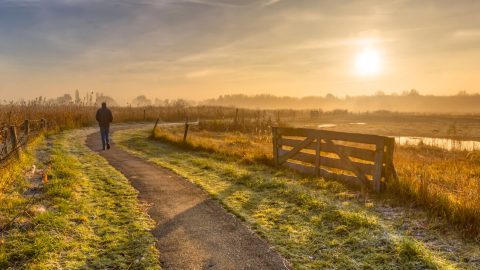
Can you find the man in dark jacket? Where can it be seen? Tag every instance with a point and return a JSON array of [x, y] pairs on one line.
[[104, 118]]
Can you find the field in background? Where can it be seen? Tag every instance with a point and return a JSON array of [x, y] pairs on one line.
[[461, 127]]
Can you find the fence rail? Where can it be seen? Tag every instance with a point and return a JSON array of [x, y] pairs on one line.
[[360, 159], [14, 137]]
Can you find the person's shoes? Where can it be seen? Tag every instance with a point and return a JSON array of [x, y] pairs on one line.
[[103, 148], [108, 146]]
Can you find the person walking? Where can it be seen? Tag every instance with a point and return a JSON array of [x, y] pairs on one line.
[[104, 118]]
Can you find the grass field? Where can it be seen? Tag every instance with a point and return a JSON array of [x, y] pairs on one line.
[[85, 217], [430, 218], [312, 222], [443, 182]]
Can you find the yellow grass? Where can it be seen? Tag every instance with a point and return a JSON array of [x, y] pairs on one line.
[[445, 183]]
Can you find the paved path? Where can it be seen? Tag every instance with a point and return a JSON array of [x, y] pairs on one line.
[[193, 231]]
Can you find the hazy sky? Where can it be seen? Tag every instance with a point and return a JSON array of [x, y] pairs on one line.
[[199, 49]]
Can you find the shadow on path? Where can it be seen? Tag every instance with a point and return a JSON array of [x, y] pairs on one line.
[[192, 231]]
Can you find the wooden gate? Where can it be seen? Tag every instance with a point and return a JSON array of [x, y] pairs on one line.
[[359, 159]]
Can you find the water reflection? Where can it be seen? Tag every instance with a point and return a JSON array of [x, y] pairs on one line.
[[447, 144]]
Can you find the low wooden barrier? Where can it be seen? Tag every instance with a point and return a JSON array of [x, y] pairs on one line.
[[13, 137], [359, 159]]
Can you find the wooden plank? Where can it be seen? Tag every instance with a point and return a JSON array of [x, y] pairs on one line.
[[348, 162], [295, 150], [364, 154], [332, 135], [317, 156], [302, 132], [330, 162], [299, 156], [377, 177], [351, 137]]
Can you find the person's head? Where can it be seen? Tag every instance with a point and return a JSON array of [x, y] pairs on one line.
[[104, 104]]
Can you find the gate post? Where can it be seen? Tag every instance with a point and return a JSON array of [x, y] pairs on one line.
[[377, 177], [318, 156], [275, 145]]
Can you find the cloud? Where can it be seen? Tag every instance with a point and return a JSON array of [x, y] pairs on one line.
[[206, 73], [467, 33], [270, 2]]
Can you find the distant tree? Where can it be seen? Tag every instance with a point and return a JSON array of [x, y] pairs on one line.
[[413, 92], [109, 100], [78, 100], [141, 101], [63, 100], [180, 103], [159, 102]]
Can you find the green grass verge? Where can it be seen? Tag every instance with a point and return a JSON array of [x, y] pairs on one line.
[[315, 224], [91, 218]]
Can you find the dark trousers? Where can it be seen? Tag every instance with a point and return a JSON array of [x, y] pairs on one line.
[[104, 135]]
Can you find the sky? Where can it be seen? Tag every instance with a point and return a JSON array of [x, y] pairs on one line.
[[199, 49]]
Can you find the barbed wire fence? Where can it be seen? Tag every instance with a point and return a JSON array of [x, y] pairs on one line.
[[14, 137]]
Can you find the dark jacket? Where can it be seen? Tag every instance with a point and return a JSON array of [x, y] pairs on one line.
[[104, 117]]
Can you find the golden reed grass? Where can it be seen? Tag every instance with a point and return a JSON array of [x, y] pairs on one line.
[[445, 183]]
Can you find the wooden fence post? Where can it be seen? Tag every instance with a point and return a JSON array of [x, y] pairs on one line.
[[43, 124], [155, 127], [389, 168], [317, 156], [377, 177], [13, 136], [275, 145], [235, 120], [186, 130], [26, 125], [5, 139]]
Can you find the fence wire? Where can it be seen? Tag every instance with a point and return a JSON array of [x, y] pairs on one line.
[[24, 133]]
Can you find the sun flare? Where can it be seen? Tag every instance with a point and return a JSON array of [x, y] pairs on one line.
[[368, 62]]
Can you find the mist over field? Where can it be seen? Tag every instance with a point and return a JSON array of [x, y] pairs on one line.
[[407, 102]]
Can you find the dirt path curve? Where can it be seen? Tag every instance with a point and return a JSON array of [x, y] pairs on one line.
[[193, 231]]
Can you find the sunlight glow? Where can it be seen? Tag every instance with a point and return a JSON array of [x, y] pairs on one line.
[[368, 62]]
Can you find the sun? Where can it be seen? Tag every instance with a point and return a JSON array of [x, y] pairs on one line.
[[368, 62]]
